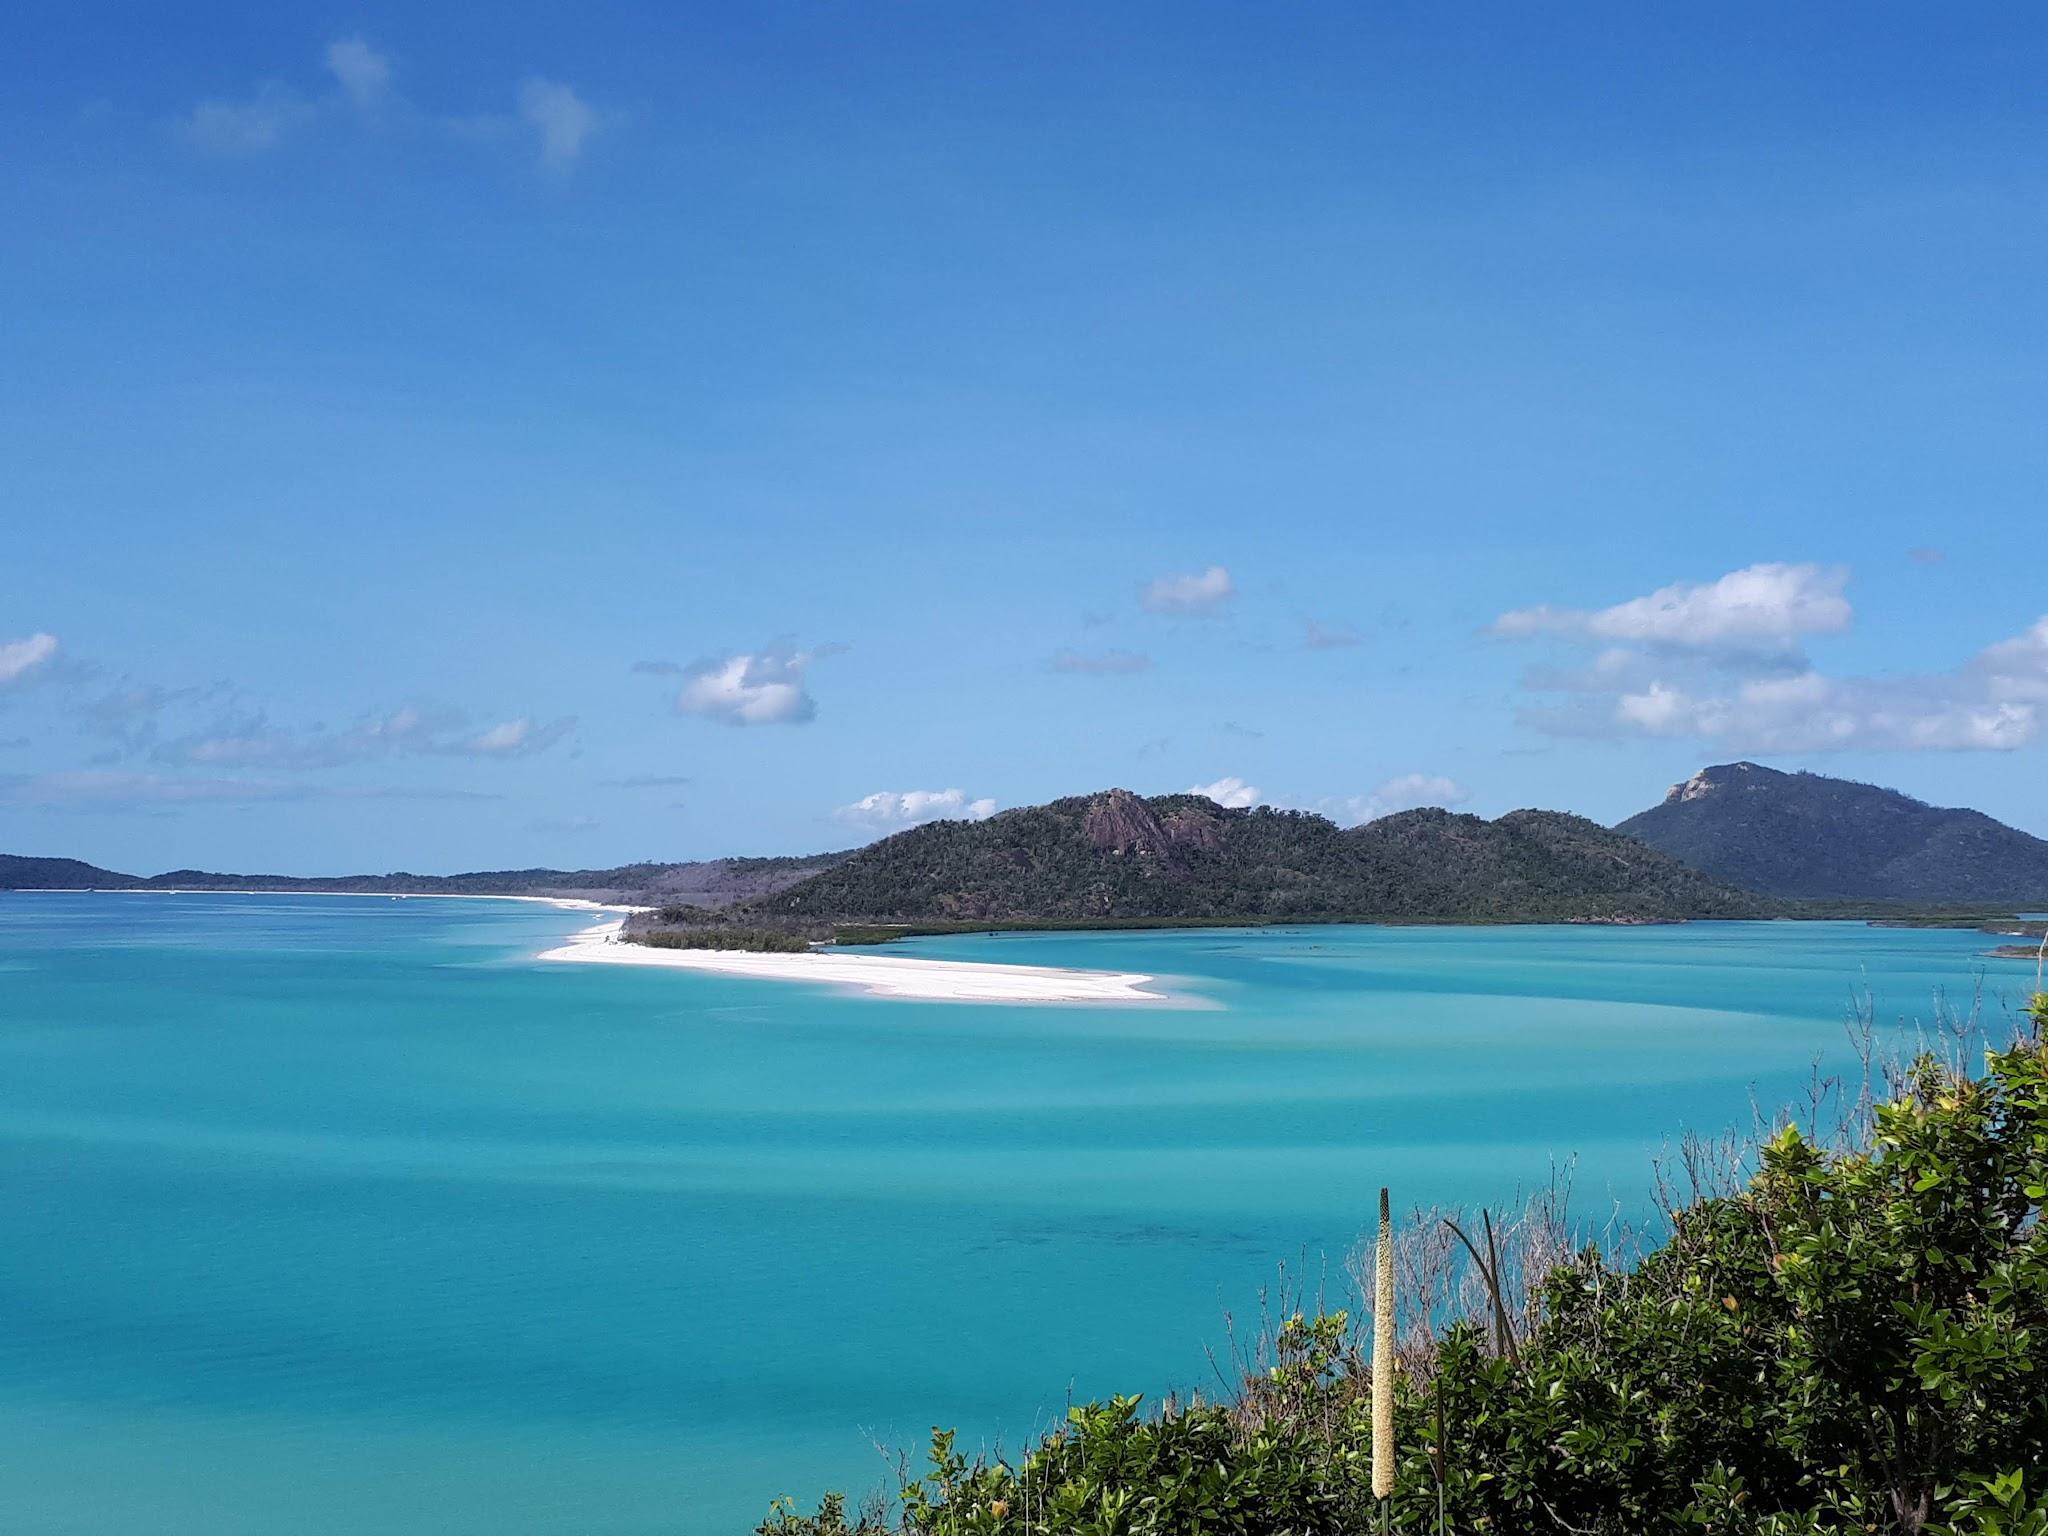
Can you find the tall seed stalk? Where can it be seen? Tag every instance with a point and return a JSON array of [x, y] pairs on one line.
[[1437, 1453], [1383, 1365], [1489, 1274]]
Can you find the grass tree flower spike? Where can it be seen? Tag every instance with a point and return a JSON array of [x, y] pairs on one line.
[[1383, 1358]]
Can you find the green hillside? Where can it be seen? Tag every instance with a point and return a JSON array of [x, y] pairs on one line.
[[1115, 855], [1806, 835]]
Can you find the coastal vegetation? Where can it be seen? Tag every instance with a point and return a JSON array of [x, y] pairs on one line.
[[1843, 1329], [730, 936]]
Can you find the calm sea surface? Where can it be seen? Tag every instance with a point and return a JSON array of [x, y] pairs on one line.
[[343, 1215]]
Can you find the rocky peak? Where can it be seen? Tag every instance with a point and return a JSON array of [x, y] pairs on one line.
[[1118, 822], [1125, 826], [1721, 776]]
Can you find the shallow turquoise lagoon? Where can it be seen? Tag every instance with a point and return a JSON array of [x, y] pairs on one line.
[[338, 1215]]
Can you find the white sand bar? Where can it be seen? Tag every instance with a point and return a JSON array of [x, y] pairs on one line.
[[956, 981]]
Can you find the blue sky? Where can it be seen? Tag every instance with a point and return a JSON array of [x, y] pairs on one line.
[[443, 437]]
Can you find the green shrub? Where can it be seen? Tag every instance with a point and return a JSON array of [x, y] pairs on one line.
[[764, 940], [1855, 1341]]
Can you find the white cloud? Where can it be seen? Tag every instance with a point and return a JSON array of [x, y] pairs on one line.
[[1654, 709], [1720, 663], [501, 739], [364, 73], [1993, 702], [892, 808], [561, 119], [1101, 663], [2017, 669], [745, 689], [1761, 608], [250, 126], [1188, 592], [1230, 792], [21, 658], [1407, 792], [1811, 713]]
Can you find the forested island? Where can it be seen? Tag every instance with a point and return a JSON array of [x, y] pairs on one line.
[[1809, 836], [1736, 841]]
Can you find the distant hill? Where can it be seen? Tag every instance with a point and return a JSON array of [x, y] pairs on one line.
[[710, 883], [1804, 835], [1114, 855], [19, 873]]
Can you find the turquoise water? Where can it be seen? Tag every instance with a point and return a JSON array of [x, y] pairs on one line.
[[329, 1215]]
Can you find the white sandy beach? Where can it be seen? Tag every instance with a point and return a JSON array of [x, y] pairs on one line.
[[901, 976]]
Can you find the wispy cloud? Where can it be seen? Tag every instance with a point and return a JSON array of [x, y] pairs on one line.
[[249, 740], [25, 658], [129, 713], [363, 72], [1230, 792], [554, 118], [561, 120], [248, 125], [1328, 637], [108, 789], [1188, 593], [889, 809], [563, 826], [127, 702], [648, 781], [1408, 792], [512, 738], [1101, 663]]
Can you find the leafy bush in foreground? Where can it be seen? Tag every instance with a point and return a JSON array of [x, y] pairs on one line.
[[1856, 1340]]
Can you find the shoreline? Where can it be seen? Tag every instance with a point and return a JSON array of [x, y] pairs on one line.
[[895, 976], [905, 977], [566, 903]]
